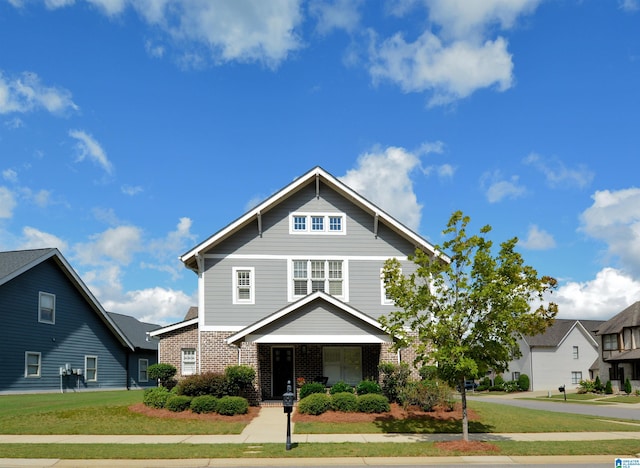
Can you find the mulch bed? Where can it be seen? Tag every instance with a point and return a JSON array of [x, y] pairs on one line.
[[141, 408]]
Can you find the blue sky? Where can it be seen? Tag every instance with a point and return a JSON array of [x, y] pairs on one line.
[[132, 130]]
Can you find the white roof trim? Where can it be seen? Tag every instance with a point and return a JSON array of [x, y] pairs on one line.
[[297, 305], [325, 339], [175, 326], [315, 173]]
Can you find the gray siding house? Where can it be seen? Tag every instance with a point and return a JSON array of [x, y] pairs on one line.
[[293, 288], [55, 335]]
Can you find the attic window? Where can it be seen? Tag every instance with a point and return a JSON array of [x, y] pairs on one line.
[[46, 308], [317, 223], [610, 342]]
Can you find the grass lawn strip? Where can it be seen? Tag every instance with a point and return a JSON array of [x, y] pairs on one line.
[[621, 448]]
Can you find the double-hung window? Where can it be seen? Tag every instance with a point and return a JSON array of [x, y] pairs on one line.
[[243, 285], [143, 375], [317, 223], [576, 377], [610, 342], [46, 308], [32, 364], [576, 352], [91, 368], [318, 275], [188, 361]]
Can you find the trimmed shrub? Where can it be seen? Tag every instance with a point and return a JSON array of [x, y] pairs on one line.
[[598, 387], [230, 405], [498, 384], [315, 403], [209, 383], [178, 403], [608, 388], [310, 388], [428, 372], [239, 378], [586, 386], [204, 404], [423, 394], [394, 377], [485, 384], [511, 386], [373, 403], [627, 386], [340, 387], [165, 373], [368, 386], [345, 402], [155, 397], [523, 382]]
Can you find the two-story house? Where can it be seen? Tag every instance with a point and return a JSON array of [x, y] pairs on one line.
[[293, 288], [620, 345], [57, 337], [563, 355]]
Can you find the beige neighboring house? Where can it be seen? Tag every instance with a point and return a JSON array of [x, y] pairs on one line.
[[563, 355], [293, 288], [620, 344]]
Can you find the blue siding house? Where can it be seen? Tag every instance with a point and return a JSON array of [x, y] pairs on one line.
[[55, 335]]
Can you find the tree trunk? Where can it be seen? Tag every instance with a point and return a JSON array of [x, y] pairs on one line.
[[465, 419]]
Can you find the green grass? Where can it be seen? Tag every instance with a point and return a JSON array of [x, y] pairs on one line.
[[493, 418], [631, 399], [94, 413], [390, 449]]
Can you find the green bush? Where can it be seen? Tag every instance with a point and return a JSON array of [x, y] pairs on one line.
[[155, 397], [239, 378], [586, 386], [345, 402], [627, 386], [498, 384], [523, 382], [315, 403], [423, 394], [310, 388], [230, 405], [394, 377], [209, 383], [598, 387], [204, 404], [340, 387], [368, 386], [178, 403], [428, 372], [511, 386], [608, 388], [485, 384], [373, 403], [165, 373]]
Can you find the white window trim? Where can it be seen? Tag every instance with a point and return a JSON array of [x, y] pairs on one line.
[[576, 352], [345, 276], [384, 300], [252, 285], [26, 364], [578, 377], [146, 370], [42, 294], [326, 223], [182, 361], [86, 368]]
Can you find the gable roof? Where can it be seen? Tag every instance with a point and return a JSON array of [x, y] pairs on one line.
[[555, 334], [629, 317], [321, 296], [15, 263], [315, 175], [135, 330]]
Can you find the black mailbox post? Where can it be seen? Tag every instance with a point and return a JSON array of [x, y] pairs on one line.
[[287, 404], [563, 390]]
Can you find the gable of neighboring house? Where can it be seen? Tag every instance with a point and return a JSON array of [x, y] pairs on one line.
[[56, 336], [293, 287], [562, 355]]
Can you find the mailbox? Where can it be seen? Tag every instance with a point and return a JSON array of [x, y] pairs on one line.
[[288, 398], [561, 389]]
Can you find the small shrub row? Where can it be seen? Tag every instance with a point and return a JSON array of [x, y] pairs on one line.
[[160, 397], [318, 403]]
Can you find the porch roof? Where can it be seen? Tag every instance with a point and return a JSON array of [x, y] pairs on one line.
[[316, 318], [624, 356]]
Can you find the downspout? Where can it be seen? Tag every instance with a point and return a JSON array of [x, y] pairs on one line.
[[200, 262]]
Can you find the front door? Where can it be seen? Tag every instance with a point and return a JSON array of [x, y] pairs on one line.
[[282, 367]]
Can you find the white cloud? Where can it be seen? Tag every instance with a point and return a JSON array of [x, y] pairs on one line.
[[88, 147], [118, 244], [497, 188], [614, 218], [629, 6], [537, 239], [26, 93], [166, 250], [33, 238], [450, 72], [7, 202], [131, 190], [335, 14], [600, 299], [10, 175], [558, 175], [153, 305], [383, 177]]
